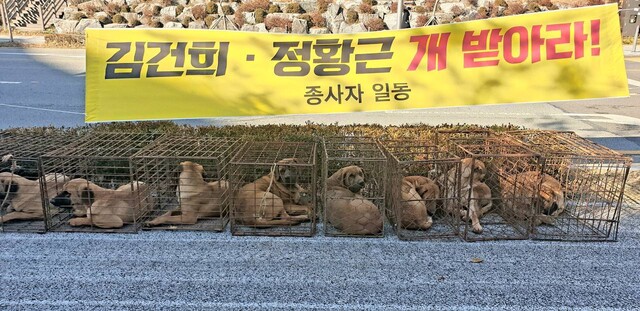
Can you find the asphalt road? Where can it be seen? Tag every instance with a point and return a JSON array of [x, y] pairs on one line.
[[214, 271]]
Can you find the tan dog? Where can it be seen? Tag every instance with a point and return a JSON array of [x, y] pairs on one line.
[[103, 208], [475, 195], [273, 200], [198, 199], [22, 196], [521, 188], [419, 195], [347, 210]]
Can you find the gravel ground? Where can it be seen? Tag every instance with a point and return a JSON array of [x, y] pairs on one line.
[[162, 270]]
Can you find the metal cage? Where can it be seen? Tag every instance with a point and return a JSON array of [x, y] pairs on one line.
[[417, 190], [274, 189], [351, 209], [184, 197], [502, 196], [102, 195], [592, 177], [25, 191]]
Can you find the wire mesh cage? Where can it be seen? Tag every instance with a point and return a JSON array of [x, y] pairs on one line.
[[102, 195], [24, 190], [417, 192], [274, 189], [354, 174], [498, 188], [588, 181], [187, 181]]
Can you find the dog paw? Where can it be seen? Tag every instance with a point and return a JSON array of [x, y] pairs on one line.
[[75, 222], [477, 230]]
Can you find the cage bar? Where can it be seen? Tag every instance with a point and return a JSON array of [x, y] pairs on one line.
[[24, 190], [498, 187], [592, 179], [418, 191], [274, 189], [354, 175], [185, 197], [102, 195]]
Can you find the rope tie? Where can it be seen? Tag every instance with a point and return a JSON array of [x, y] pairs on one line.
[[13, 167]]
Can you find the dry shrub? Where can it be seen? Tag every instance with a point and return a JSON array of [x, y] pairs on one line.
[[90, 9], [156, 24], [104, 20], [473, 3], [317, 20], [374, 24], [112, 8], [227, 10], [305, 17], [370, 2], [595, 2], [274, 9], [260, 14], [134, 23], [501, 3], [429, 4], [294, 7], [323, 5], [482, 13], [365, 8], [151, 11], [212, 7], [421, 20], [186, 21], [168, 19], [457, 10], [533, 7], [419, 9], [352, 16], [545, 3], [514, 8], [179, 9], [64, 40], [166, 3], [76, 16], [199, 12], [275, 21], [125, 8], [119, 19], [209, 20]]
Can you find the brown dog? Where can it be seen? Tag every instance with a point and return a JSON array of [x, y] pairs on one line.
[[198, 198], [273, 200], [521, 188], [347, 210], [103, 208], [23, 197], [419, 195], [475, 195]]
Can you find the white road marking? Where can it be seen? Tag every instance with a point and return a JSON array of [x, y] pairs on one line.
[[42, 109], [10, 82], [634, 82]]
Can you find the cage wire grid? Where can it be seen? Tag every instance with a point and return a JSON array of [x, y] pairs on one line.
[[192, 200], [105, 196], [364, 152], [267, 186], [593, 179], [410, 158], [513, 198], [21, 169]]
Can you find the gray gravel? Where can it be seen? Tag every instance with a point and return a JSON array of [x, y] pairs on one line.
[[163, 270]]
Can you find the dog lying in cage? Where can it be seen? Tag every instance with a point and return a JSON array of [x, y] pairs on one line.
[[419, 195], [275, 199], [104, 208], [522, 189], [198, 198], [347, 209], [22, 197], [475, 195]]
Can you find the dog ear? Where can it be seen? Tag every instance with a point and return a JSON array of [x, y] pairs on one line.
[[14, 188], [345, 177], [364, 175], [87, 196]]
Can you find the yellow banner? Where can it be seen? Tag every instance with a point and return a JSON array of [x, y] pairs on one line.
[[150, 74]]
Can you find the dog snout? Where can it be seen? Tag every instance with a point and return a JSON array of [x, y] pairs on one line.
[[62, 200]]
